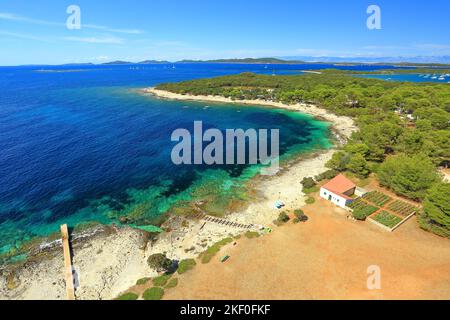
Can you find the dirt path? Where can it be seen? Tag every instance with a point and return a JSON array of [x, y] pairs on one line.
[[326, 258]]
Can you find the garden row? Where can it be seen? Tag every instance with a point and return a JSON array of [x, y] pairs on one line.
[[402, 208], [377, 198], [362, 210], [387, 219]]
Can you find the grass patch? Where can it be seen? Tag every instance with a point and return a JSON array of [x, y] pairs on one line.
[[251, 234], [387, 219], [154, 293], [310, 200], [186, 265], [214, 249], [161, 281], [128, 296], [172, 283], [142, 281]]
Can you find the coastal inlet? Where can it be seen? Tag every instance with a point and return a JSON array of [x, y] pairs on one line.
[[87, 150]]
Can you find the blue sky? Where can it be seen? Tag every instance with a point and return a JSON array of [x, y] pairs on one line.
[[33, 32]]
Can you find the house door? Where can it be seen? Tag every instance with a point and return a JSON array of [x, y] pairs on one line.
[[329, 198]]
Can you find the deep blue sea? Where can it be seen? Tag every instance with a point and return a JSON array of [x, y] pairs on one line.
[[438, 77], [80, 144]]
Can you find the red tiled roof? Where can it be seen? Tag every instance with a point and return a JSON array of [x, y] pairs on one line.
[[339, 185]]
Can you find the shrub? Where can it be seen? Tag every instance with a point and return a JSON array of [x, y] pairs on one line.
[[282, 218], [161, 281], [308, 183], [128, 296], [186, 265], [172, 283], [142, 281], [299, 213], [159, 262], [154, 293], [327, 175], [310, 190], [310, 200], [300, 216], [251, 234], [214, 249]]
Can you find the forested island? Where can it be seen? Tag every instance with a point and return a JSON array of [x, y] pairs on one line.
[[246, 61], [404, 128]]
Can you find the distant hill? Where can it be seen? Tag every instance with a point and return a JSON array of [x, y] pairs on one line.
[[153, 62], [78, 64], [142, 62], [246, 61], [424, 60], [117, 62]]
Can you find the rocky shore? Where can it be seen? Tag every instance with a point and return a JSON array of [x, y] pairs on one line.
[[108, 260]]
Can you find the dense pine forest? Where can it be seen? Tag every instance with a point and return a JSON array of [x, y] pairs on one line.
[[404, 127]]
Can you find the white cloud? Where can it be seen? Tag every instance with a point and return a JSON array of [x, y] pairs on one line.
[[22, 36], [104, 40], [103, 28], [14, 17], [433, 46]]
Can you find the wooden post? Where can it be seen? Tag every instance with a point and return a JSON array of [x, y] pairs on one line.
[[67, 263]]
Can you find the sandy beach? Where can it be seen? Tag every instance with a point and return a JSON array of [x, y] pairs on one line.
[[111, 262], [344, 126]]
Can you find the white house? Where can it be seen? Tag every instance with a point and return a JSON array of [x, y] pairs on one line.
[[339, 191]]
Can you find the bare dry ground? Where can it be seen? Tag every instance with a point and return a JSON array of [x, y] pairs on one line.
[[325, 258]]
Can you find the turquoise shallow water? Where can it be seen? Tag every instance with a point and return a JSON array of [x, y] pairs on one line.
[[80, 147]]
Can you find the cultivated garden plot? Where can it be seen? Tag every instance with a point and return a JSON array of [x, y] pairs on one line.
[[382, 209], [377, 198], [402, 208], [387, 219], [362, 210]]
